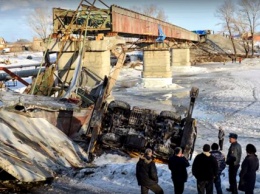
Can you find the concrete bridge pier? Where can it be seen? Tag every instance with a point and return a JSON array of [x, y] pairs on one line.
[[180, 57], [156, 68], [96, 59], [157, 64], [98, 65]]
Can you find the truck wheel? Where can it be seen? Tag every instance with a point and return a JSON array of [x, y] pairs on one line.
[[111, 140], [170, 115], [119, 104]]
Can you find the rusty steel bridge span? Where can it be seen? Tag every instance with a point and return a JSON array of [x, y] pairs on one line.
[[115, 20]]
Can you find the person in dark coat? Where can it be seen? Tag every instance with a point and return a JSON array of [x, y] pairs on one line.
[[221, 135], [221, 165], [146, 174], [233, 160], [178, 164], [205, 169], [248, 170]]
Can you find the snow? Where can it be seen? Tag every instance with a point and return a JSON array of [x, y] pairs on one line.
[[20, 62], [229, 97]]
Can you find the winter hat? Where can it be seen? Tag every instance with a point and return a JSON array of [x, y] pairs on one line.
[[250, 148], [148, 150], [206, 148]]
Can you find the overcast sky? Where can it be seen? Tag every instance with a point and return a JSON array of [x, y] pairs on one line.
[[189, 14]]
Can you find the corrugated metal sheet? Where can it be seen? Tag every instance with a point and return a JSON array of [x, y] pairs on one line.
[[129, 22], [32, 148]]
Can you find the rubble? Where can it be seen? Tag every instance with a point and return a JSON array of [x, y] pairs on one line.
[[215, 48]]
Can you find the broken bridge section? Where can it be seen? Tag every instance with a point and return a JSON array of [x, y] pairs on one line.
[[115, 20]]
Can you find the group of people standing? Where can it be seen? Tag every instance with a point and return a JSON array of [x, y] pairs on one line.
[[234, 60], [207, 168]]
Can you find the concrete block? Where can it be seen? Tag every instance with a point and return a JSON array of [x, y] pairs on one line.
[[55, 45], [157, 64], [180, 57], [98, 64]]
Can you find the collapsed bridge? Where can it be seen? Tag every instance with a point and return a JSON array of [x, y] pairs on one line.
[[119, 21]]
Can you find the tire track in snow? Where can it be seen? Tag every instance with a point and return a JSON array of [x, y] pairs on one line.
[[250, 104]]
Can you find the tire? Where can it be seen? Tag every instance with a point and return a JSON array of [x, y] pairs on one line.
[[162, 152], [170, 115], [119, 104], [111, 140]]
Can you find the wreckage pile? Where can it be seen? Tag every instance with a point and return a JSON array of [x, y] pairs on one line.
[[32, 150], [38, 126], [215, 48]]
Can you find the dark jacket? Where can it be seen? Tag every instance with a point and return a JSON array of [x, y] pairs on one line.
[[234, 154], [248, 172], [178, 166], [221, 134], [146, 172], [220, 159], [205, 167]]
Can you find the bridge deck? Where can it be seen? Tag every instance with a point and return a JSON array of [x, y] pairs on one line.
[[116, 20], [132, 23]]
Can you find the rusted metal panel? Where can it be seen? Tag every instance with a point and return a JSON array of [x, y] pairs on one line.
[[130, 22], [69, 122], [68, 117]]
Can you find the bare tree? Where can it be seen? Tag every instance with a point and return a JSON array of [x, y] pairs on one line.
[[226, 13], [153, 11], [250, 9], [241, 27], [40, 22]]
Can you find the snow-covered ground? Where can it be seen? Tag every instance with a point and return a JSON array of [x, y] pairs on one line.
[[229, 97]]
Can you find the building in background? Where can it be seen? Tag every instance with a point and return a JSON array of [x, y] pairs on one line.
[[38, 44], [2, 43]]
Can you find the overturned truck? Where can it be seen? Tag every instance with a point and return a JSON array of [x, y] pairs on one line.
[[135, 129], [43, 129]]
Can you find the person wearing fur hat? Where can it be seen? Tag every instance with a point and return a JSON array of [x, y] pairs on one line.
[[221, 165], [146, 174], [205, 170], [233, 160], [248, 170]]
